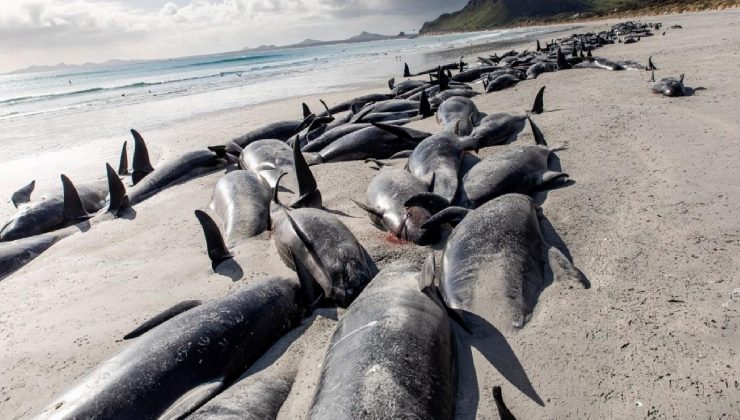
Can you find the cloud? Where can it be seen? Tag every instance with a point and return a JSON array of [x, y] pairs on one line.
[[50, 31]]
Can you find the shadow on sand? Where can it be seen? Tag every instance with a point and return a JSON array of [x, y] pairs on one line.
[[231, 269], [492, 344]]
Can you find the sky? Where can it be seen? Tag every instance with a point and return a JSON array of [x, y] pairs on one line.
[[48, 32]]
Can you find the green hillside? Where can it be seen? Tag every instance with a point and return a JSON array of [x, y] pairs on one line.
[[487, 14]]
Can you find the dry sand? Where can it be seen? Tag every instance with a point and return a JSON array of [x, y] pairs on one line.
[[652, 221]]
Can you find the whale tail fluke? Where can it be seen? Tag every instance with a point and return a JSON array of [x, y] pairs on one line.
[[118, 200], [539, 102], [141, 165], [123, 162], [73, 209], [217, 250]]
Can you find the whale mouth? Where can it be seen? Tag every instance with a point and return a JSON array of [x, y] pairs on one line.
[[402, 232]]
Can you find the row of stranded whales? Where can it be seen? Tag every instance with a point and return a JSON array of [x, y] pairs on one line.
[[394, 352]]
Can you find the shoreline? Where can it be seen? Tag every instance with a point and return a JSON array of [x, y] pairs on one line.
[[651, 221]]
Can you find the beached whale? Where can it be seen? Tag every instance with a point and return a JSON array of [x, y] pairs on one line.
[[502, 128], [328, 249], [493, 265], [15, 254], [281, 130], [438, 157], [56, 211], [379, 141], [521, 169], [386, 197], [391, 355], [268, 158], [262, 391], [180, 364], [668, 86], [459, 115], [243, 200], [357, 102], [331, 135]]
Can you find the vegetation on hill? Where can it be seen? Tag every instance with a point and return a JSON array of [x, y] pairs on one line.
[[487, 14]]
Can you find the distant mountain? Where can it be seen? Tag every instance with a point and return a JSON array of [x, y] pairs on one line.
[[72, 67], [362, 37], [488, 14]]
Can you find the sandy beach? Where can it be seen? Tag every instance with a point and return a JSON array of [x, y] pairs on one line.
[[652, 221]]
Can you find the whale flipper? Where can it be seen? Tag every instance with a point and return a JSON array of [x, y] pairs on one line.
[[312, 291], [162, 318], [369, 209], [193, 399], [118, 200], [23, 195], [308, 193], [217, 250], [392, 83], [430, 201], [326, 282], [141, 165], [123, 163], [73, 209], [452, 215]]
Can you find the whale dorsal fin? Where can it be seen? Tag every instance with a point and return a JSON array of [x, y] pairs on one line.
[[308, 192], [162, 317], [23, 195], [425, 109], [306, 110], [391, 83], [328, 112], [539, 102], [117, 200], [406, 71], [73, 209], [503, 411], [217, 250], [141, 165], [123, 162]]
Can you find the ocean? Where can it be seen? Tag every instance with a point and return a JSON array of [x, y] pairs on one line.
[[103, 101]]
